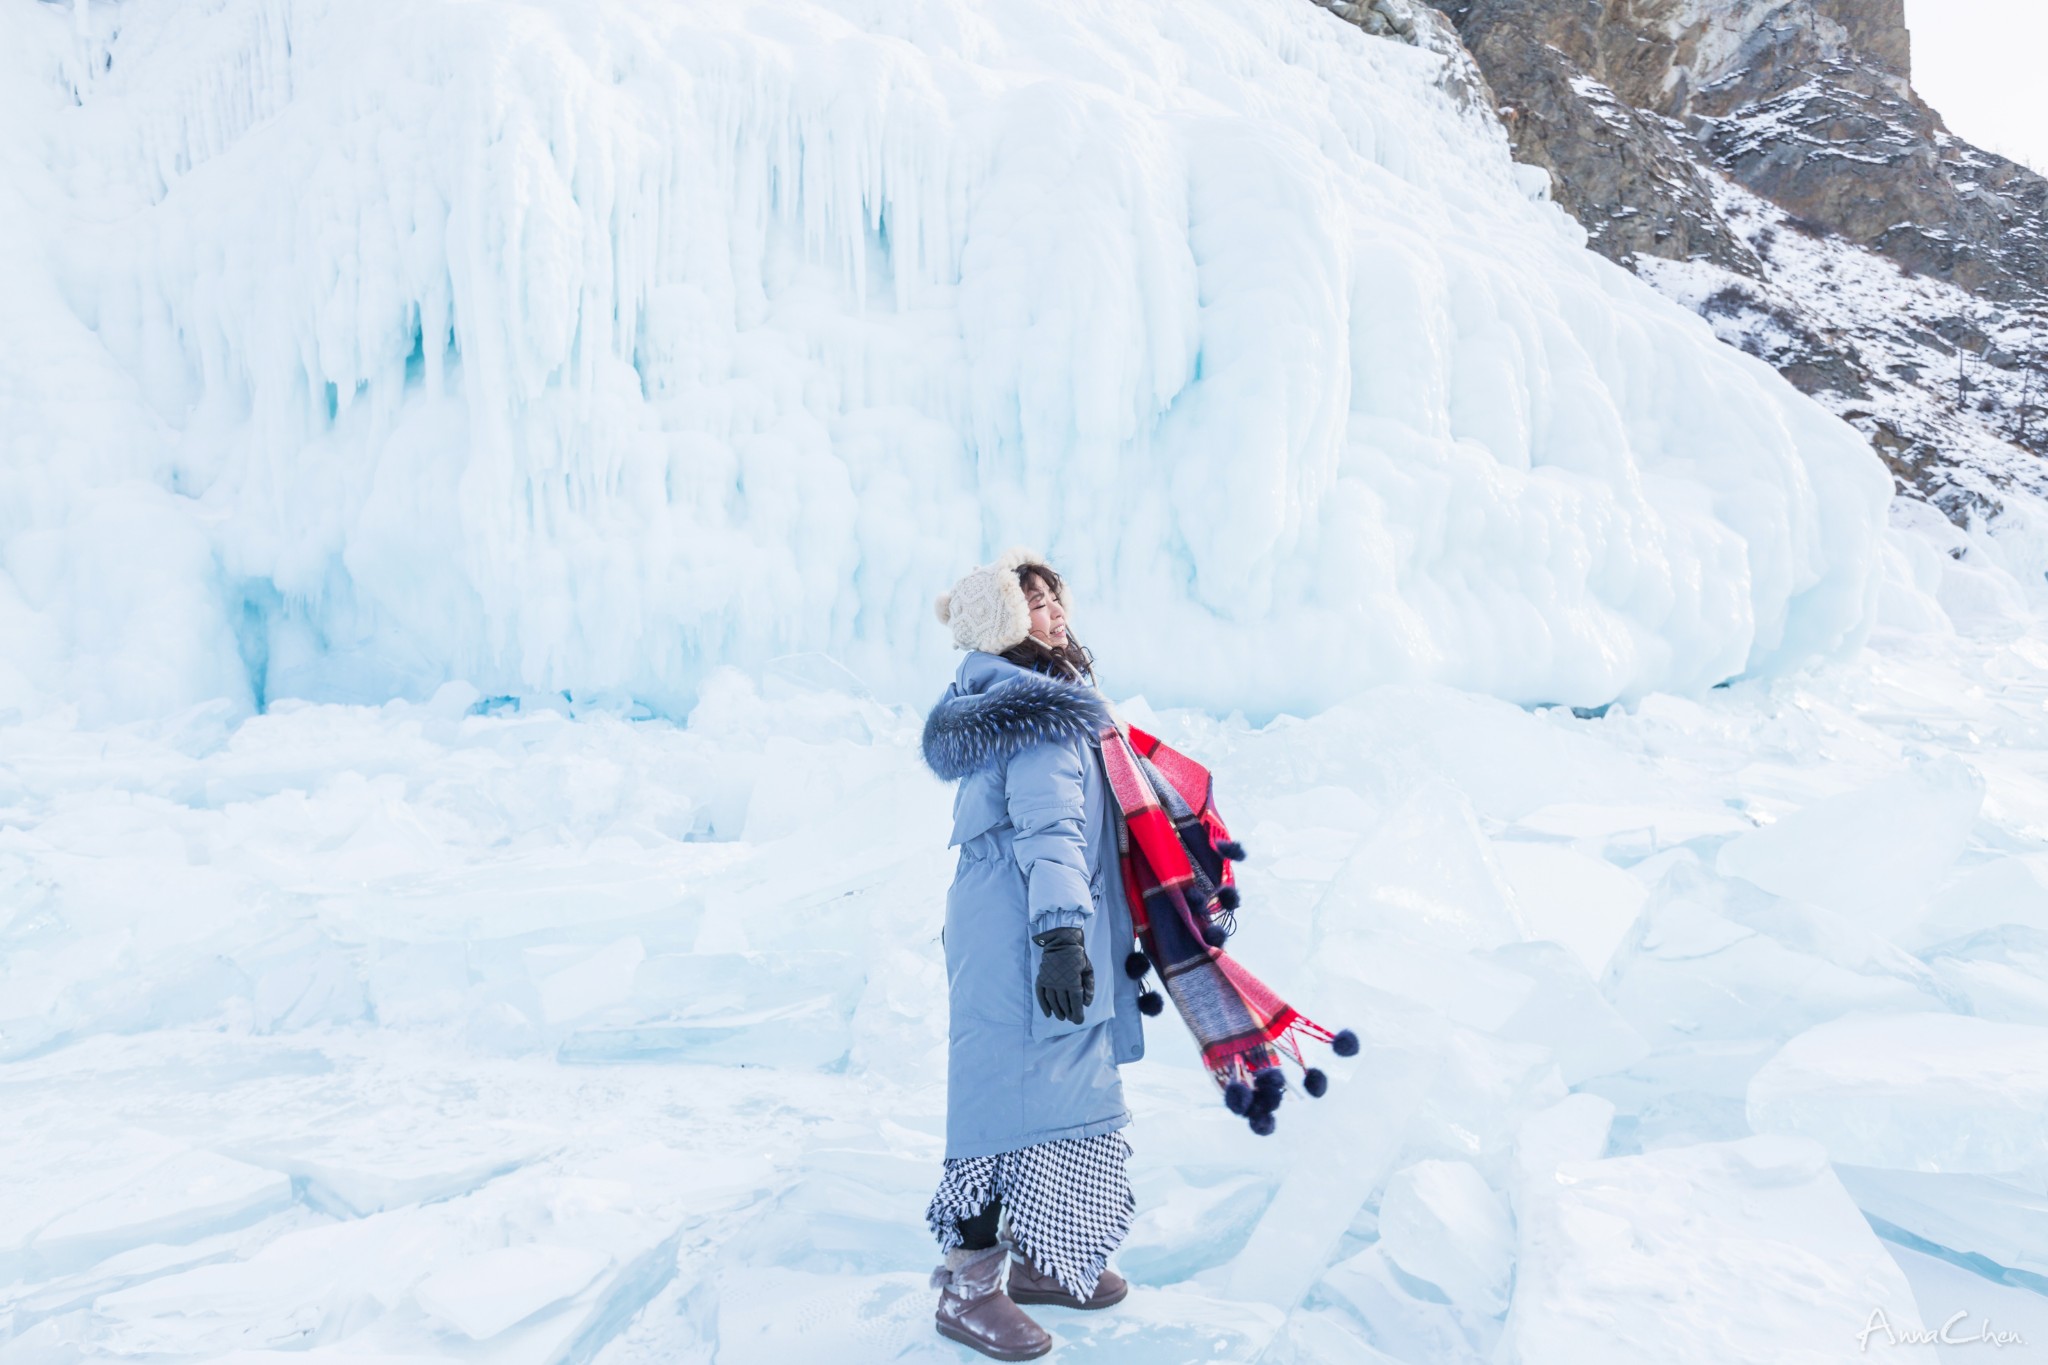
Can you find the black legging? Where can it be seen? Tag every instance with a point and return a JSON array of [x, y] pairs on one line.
[[979, 1232]]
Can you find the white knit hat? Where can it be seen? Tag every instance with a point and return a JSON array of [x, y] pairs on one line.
[[986, 608]]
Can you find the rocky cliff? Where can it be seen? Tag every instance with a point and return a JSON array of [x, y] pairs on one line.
[[1769, 162]]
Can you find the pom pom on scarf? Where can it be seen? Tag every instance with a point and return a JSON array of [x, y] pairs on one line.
[[1231, 849], [1226, 896], [1269, 1082], [1237, 1097], [1345, 1044], [1315, 1082], [1135, 966], [1266, 1098], [1214, 934], [1151, 1002], [1262, 1124]]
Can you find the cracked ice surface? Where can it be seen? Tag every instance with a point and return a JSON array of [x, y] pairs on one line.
[[434, 1029]]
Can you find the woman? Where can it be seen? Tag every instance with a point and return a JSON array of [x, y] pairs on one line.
[[1037, 930]]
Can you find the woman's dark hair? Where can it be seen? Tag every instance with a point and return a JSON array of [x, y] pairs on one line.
[[1069, 661]]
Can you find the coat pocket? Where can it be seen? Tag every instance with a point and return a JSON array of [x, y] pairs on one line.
[[988, 939]]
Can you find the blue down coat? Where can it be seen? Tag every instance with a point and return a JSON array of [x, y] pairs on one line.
[[1034, 824]]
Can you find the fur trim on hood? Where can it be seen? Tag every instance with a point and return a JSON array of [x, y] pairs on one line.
[[969, 731], [986, 608]]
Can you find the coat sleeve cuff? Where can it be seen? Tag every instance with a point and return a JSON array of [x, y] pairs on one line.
[[1060, 917]]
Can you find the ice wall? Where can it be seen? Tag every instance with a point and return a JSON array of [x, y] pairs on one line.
[[563, 346]]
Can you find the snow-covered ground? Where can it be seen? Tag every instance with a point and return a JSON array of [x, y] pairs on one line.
[[463, 1030]]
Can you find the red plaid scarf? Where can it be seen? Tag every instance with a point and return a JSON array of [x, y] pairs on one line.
[[1176, 857]]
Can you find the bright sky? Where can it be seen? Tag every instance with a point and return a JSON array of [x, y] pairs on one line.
[[1979, 62]]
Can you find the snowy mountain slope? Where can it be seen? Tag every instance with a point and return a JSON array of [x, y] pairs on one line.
[[1781, 151], [1902, 357], [567, 348]]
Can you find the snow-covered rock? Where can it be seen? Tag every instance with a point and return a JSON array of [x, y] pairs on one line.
[[1745, 1250], [1694, 970], [1873, 855], [2011, 890], [2004, 1223], [1565, 1011], [605, 977], [1441, 1222], [1562, 895], [1427, 874], [1915, 1092], [484, 1294], [190, 1196], [1396, 1317], [1574, 1129]]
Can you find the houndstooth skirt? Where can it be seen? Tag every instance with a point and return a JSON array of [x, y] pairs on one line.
[[1067, 1203]]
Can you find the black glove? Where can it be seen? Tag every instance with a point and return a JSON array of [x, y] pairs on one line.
[[1066, 978]]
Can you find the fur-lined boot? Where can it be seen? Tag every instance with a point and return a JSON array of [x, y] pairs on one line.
[[975, 1311]]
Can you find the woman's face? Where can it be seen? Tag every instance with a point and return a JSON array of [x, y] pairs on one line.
[[1048, 621]]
